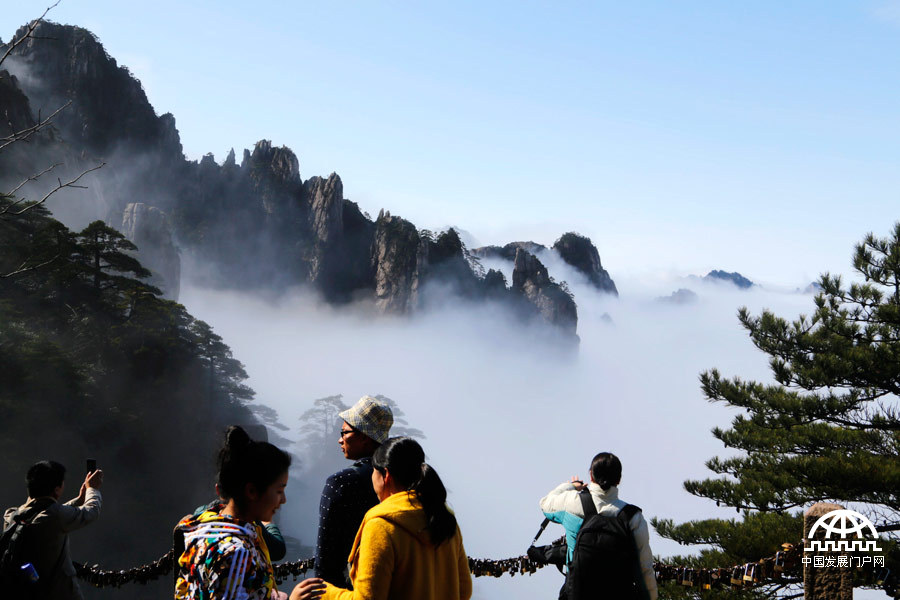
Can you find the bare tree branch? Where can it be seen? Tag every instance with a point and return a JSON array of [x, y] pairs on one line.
[[28, 34], [68, 184], [23, 269], [32, 178], [30, 131]]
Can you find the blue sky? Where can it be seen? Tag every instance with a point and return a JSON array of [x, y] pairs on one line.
[[759, 137]]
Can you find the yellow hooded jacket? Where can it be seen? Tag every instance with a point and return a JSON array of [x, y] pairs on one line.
[[393, 557]]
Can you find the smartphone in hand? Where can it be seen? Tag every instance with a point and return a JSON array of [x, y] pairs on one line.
[[91, 465]]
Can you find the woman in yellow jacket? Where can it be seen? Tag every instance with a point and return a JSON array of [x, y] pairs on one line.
[[409, 546]]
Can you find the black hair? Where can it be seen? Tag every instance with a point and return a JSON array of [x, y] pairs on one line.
[[606, 469], [405, 459], [44, 477], [242, 461]]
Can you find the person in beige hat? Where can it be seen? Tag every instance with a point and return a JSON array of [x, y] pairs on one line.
[[348, 494]]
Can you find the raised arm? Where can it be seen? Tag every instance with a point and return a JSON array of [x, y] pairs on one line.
[[84, 509], [555, 503]]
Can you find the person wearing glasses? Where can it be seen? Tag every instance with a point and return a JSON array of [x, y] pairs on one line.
[[348, 494]]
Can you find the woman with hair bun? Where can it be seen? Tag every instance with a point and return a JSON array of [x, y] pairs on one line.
[[409, 546], [225, 556]]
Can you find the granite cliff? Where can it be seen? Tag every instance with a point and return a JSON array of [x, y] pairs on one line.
[[251, 225], [149, 229], [576, 250]]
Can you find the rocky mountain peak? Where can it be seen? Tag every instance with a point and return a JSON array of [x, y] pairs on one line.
[[208, 161], [109, 108], [397, 253], [556, 306], [229, 160], [256, 226], [508, 252], [579, 252], [735, 278], [325, 198], [281, 164]]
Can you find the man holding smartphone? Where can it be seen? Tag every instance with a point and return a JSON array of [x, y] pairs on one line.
[[46, 538]]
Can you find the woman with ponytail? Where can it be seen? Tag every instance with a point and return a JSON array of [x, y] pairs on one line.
[[225, 556], [409, 546]]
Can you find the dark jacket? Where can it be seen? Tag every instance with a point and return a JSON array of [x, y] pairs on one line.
[[47, 542], [346, 498]]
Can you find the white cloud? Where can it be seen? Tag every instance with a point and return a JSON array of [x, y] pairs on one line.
[[506, 419]]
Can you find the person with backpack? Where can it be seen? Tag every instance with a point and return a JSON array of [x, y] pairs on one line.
[[607, 539], [37, 533]]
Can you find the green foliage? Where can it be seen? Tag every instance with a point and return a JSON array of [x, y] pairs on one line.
[[828, 429], [320, 428], [93, 362], [401, 426], [100, 250], [735, 541]]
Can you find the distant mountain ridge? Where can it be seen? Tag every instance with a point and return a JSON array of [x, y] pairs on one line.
[[253, 224], [735, 278]]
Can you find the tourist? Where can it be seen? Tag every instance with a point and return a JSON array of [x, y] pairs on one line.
[[409, 546], [225, 555], [48, 524], [625, 573], [348, 494]]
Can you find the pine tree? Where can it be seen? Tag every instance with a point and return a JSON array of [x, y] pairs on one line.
[[828, 429], [401, 426], [102, 250]]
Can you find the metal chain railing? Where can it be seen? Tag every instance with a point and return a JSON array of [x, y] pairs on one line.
[[782, 567]]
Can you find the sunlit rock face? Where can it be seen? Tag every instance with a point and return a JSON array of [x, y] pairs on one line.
[[325, 199], [149, 229], [530, 278], [581, 253], [398, 253]]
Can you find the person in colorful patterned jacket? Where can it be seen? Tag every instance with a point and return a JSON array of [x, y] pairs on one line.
[[225, 555], [271, 533]]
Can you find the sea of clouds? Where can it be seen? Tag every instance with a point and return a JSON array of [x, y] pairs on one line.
[[507, 416]]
